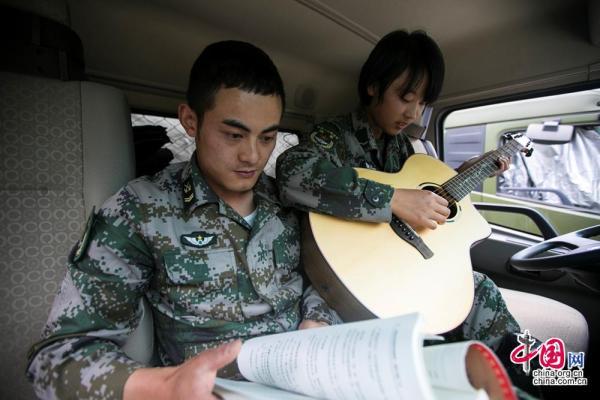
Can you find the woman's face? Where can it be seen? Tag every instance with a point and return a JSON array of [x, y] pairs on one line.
[[397, 108]]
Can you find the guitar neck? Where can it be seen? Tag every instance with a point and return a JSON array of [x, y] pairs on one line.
[[464, 183]]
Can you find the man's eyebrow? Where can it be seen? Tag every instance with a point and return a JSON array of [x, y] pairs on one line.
[[237, 124]]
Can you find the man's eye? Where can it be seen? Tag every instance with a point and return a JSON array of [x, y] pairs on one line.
[[267, 139], [235, 136]]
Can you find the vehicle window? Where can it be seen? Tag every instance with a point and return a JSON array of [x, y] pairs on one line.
[[564, 175], [177, 141], [561, 179], [285, 140]]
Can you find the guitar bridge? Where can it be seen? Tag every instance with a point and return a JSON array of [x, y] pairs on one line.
[[406, 233]]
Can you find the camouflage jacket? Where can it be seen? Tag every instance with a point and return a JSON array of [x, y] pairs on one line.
[[318, 174], [208, 276]]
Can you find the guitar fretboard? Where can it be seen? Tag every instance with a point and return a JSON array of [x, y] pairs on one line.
[[464, 183]]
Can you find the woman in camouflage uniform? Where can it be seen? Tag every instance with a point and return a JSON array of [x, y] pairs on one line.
[[403, 73]]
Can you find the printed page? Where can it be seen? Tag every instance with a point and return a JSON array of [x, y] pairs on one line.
[[449, 394], [236, 390], [446, 365], [467, 368], [378, 358]]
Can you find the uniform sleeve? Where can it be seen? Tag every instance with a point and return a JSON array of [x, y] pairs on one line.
[[316, 309], [96, 309], [312, 177]]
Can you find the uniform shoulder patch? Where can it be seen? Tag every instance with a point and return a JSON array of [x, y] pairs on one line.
[[323, 137], [81, 247], [198, 239]]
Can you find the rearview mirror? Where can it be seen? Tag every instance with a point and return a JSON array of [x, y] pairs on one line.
[[550, 132]]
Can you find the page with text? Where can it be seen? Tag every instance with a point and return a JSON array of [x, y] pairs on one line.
[[361, 360], [467, 370]]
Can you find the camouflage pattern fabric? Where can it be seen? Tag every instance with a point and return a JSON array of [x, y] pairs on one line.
[[318, 176], [208, 276]]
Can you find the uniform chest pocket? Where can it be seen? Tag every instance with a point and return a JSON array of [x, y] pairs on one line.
[[286, 262], [208, 269]]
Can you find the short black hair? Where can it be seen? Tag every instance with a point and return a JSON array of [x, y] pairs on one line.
[[397, 52], [231, 64]]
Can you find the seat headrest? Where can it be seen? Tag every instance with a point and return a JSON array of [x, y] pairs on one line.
[[36, 45]]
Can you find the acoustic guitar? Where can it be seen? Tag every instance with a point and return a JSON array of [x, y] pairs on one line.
[[370, 270]]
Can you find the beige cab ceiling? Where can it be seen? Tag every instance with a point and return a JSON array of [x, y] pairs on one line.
[[322, 43]]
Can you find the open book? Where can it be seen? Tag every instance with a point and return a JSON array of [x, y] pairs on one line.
[[374, 359]]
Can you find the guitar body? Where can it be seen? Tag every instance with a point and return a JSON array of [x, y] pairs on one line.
[[365, 270]]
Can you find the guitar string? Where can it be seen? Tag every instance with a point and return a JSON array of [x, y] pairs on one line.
[[453, 190], [457, 187]]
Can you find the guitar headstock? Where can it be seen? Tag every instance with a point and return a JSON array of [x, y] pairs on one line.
[[524, 142]]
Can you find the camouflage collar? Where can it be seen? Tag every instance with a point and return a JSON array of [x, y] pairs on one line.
[[267, 201], [196, 192], [266, 189], [362, 129]]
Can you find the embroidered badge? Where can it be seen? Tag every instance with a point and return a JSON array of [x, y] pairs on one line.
[[82, 244], [198, 239], [322, 138], [188, 192]]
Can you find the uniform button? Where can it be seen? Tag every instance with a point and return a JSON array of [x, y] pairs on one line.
[[376, 199]]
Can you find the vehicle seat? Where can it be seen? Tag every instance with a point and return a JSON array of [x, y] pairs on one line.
[[65, 147], [557, 319]]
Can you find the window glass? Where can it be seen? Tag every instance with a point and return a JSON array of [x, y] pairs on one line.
[[565, 175], [180, 144], [561, 179]]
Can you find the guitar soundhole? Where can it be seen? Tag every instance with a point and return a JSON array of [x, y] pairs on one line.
[[452, 204]]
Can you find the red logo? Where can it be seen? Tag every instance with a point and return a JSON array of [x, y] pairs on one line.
[[551, 353]]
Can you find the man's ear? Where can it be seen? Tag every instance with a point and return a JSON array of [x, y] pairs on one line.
[[188, 119]]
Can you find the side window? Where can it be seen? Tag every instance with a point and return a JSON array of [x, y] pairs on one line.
[[285, 140], [158, 141], [565, 175], [561, 179]]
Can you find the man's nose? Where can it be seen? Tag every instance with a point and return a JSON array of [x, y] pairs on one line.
[[249, 152]]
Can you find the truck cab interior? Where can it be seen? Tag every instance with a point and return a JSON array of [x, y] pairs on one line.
[[89, 91]]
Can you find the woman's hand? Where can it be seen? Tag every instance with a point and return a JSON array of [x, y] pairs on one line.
[[420, 208], [502, 162]]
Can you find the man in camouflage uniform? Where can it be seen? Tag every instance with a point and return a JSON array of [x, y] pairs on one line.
[[207, 243], [402, 74]]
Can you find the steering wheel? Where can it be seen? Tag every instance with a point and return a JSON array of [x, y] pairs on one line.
[[581, 256]]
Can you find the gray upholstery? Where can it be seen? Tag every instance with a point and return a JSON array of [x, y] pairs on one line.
[[47, 129], [546, 318], [140, 345], [108, 160]]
